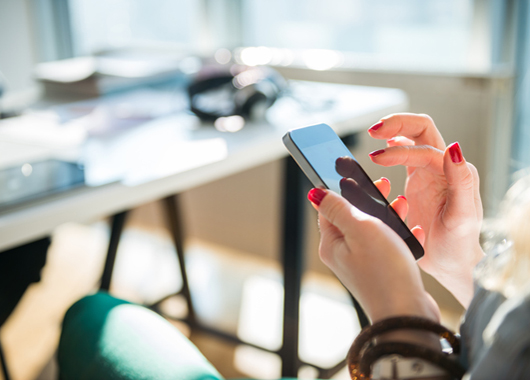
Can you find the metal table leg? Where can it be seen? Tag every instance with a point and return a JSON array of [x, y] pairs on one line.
[[117, 223], [174, 218], [293, 266]]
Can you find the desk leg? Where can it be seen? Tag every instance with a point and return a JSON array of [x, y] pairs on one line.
[[117, 223], [293, 267], [174, 217]]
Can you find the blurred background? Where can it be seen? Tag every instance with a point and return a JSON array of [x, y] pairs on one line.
[[463, 62], [460, 61]]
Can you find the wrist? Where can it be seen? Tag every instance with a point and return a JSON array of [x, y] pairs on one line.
[[459, 284], [455, 274], [418, 305]]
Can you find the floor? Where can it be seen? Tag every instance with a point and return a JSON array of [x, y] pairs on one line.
[[234, 291]]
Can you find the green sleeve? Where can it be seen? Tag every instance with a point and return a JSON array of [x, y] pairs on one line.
[[107, 338]]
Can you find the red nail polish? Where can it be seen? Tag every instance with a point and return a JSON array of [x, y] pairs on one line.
[[376, 126], [316, 195], [402, 197], [385, 179], [391, 140], [456, 153], [376, 152]]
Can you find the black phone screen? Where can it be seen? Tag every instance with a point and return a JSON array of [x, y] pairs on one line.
[[332, 164]]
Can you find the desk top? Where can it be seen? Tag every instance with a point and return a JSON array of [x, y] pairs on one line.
[[172, 153]]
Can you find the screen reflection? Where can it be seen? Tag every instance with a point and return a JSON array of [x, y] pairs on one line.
[[359, 190]]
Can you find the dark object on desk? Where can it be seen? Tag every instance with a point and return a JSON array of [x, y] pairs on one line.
[[242, 91], [36, 180]]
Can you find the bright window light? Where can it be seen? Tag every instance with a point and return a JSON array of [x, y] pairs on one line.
[[109, 24], [434, 33]]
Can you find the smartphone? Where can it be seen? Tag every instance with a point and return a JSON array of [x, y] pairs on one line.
[[329, 164]]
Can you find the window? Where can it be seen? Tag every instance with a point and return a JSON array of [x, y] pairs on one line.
[[99, 25], [434, 35], [388, 33], [408, 34]]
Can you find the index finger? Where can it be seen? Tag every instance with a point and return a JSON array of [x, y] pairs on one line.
[[417, 127], [423, 156]]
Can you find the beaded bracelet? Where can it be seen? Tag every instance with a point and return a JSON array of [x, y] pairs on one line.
[[360, 357]]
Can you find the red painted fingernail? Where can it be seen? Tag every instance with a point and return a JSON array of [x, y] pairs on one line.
[[391, 140], [456, 153], [385, 179], [316, 195], [376, 126], [376, 152], [402, 197]]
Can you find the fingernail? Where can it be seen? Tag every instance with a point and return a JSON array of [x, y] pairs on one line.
[[456, 153], [316, 195], [402, 197], [391, 140], [385, 179], [376, 126], [376, 152]]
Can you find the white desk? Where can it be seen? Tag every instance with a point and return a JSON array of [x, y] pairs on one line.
[[159, 152]]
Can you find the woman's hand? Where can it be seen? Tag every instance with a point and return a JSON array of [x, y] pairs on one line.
[[370, 259], [442, 190]]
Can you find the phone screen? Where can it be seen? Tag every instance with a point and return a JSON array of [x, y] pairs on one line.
[[328, 162]]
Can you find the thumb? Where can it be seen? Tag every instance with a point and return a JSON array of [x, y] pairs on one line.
[[460, 186], [337, 210]]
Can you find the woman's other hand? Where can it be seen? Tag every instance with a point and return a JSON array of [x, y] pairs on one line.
[[443, 196], [370, 259]]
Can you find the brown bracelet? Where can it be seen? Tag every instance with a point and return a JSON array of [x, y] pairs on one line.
[[360, 358]]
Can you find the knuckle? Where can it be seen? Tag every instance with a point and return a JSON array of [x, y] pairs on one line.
[[467, 180], [333, 212], [370, 226], [428, 150], [427, 118], [408, 152], [473, 170], [391, 116]]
